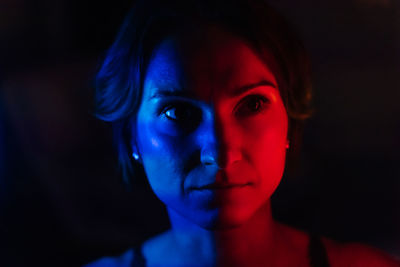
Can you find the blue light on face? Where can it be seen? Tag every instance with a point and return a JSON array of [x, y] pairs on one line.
[[154, 142], [173, 130], [211, 130]]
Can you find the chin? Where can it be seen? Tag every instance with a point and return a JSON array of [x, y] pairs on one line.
[[221, 215]]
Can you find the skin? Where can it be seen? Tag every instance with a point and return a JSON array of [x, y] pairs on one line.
[[211, 116], [212, 137], [211, 132]]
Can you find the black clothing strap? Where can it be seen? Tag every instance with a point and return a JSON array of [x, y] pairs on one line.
[[317, 252]]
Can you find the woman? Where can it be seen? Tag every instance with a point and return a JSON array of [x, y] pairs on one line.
[[209, 99]]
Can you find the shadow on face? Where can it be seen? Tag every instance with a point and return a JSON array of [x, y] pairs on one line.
[[211, 127]]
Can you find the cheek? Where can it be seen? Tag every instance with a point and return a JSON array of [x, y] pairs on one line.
[[266, 149], [164, 159], [271, 162]]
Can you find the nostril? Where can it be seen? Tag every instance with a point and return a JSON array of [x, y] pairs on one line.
[[222, 156]]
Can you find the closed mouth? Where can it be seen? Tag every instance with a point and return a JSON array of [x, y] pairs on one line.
[[219, 186]]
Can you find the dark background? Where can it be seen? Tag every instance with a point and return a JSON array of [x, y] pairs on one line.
[[62, 202]]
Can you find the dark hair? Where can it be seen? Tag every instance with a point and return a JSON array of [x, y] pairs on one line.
[[119, 80]]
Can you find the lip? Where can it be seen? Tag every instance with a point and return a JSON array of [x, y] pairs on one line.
[[220, 186]]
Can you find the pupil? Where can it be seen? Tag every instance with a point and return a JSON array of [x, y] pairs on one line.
[[182, 113], [254, 105]]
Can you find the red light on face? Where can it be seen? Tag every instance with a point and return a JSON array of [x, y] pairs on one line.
[[212, 128]]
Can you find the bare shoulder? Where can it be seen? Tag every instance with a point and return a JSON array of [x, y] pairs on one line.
[[355, 254]]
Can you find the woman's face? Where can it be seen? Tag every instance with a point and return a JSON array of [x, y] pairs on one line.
[[211, 128]]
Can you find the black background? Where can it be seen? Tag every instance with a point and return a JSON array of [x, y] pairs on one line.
[[61, 200]]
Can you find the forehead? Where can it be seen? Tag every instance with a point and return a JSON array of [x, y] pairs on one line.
[[204, 64]]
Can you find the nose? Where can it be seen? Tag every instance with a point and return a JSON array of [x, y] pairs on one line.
[[219, 145]]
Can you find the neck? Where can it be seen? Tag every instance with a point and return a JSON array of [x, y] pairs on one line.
[[253, 240]]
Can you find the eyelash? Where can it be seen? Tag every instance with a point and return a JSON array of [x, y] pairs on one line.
[[188, 108], [260, 100], [240, 110]]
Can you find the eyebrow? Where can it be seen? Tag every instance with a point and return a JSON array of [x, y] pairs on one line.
[[176, 93], [237, 92], [241, 90]]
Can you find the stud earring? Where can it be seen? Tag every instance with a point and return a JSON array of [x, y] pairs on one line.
[[135, 156], [135, 153], [287, 145]]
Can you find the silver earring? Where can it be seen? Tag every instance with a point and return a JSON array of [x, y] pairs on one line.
[[287, 145], [135, 155]]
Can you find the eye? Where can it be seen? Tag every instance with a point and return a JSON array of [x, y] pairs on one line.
[[252, 105], [182, 113]]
